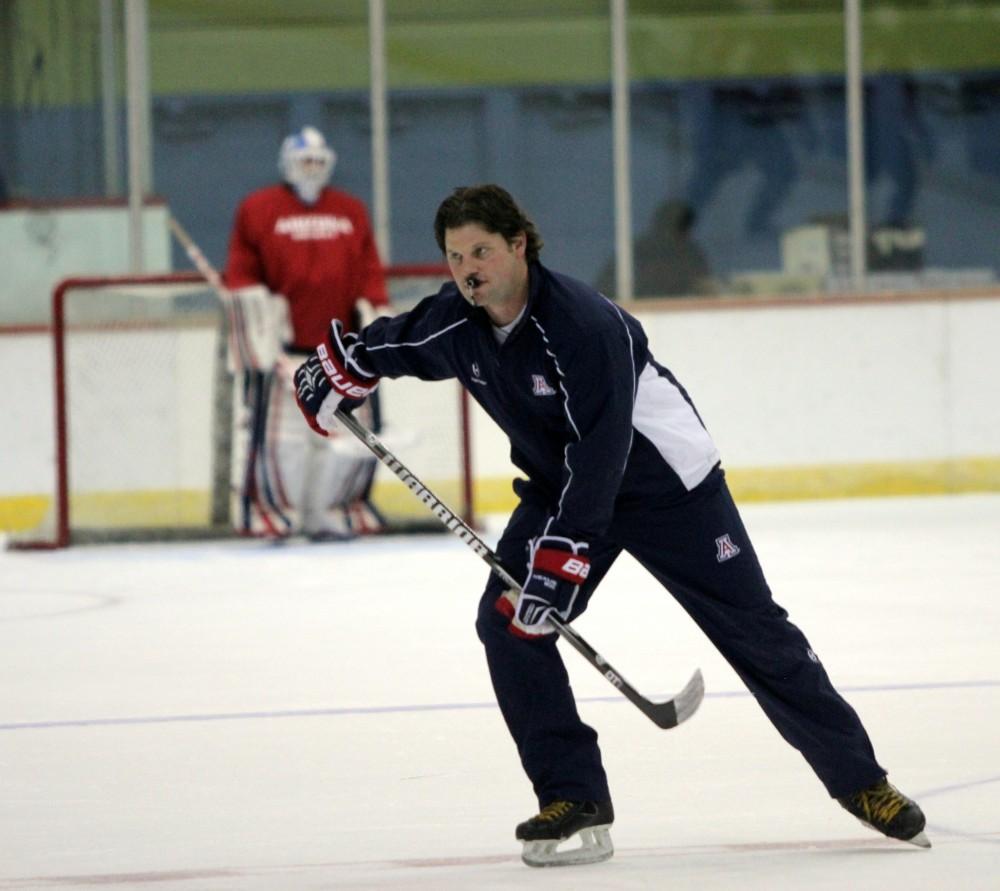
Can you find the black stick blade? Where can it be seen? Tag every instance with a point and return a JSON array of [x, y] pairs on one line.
[[678, 709]]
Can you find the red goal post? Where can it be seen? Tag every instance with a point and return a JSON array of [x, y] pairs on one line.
[[143, 415]]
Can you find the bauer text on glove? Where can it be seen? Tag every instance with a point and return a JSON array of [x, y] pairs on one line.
[[557, 568], [331, 378]]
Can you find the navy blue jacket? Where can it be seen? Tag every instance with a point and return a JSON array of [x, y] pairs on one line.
[[593, 420]]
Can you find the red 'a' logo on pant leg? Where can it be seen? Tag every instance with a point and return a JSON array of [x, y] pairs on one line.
[[725, 549]]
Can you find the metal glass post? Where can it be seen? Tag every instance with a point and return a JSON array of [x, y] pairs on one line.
[[858, 224], [380, 128], [137, 100], [109, 100], [624, 282]]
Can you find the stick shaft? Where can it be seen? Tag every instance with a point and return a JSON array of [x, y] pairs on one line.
[[664, 714], [455, 524], [200, 261]]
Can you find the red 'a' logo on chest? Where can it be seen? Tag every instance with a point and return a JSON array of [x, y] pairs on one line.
[[540, 386]]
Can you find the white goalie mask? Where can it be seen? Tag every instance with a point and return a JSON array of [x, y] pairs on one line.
[[306, 163]]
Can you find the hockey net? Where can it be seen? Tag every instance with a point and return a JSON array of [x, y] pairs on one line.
[[144, 416]]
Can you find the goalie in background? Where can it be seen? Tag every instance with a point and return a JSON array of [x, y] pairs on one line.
[[300, 253]]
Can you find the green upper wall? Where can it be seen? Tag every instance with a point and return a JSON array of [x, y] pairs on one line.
[[50, 57]]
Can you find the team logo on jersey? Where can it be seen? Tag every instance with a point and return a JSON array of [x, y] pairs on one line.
[[725, 549], [313, 227], [540, 386]]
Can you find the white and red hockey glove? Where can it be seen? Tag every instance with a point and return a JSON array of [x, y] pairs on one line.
[[556, 568], [331, 378]]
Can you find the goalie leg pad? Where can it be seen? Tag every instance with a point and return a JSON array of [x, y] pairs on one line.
[[324, 478], [330, 485], [259, 505]]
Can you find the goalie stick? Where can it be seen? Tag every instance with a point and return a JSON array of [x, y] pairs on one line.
[[241, 350], [257, 387], [663, 714]]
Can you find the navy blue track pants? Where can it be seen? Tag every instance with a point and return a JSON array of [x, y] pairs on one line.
[[718, 580]]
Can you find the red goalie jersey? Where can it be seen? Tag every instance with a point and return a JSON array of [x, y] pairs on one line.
[[322, 257]]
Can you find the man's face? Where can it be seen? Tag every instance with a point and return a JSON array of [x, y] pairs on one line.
[[498, 266]]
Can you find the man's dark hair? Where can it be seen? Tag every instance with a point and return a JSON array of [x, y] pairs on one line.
[[492, 208]]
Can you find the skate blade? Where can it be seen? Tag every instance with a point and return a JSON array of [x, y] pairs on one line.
[[595, 846], [920, 840]]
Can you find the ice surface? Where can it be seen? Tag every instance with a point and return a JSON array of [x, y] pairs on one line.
[[247, 716]]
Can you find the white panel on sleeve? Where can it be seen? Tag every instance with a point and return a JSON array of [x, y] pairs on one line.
[[668, 421]]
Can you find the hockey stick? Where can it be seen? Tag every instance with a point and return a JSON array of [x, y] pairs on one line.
[[239, 347], [663, 714], [257, 386]]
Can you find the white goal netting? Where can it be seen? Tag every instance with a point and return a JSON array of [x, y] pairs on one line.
[[144, 416]]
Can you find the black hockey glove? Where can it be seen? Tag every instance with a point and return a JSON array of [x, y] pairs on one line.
[[556, 568], [330, 379]]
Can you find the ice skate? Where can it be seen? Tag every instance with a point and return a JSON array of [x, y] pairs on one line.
[[885, 809], [560, 821]]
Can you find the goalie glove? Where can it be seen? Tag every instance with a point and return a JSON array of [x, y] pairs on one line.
[[556, 568], [330, 378], [258, 326]]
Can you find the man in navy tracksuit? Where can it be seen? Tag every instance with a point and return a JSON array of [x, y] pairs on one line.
[[615, 458]]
